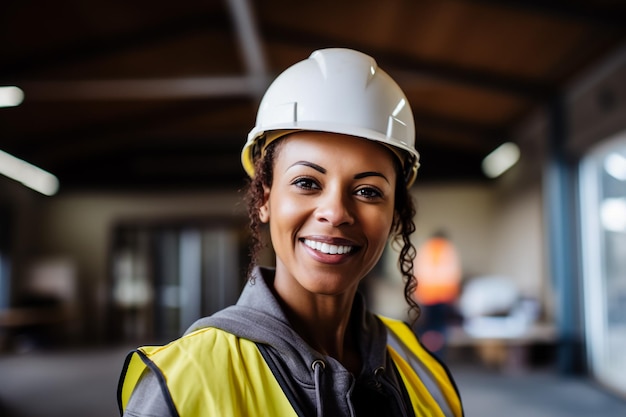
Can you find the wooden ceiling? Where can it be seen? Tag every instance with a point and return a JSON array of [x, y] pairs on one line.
[[149, 95]]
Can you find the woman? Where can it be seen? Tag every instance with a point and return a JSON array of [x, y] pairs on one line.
[[330, 160]]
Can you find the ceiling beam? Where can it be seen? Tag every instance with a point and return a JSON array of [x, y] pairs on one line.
[[124, 133], [89, 48], [144, 89], [250, 44], [588, 12], [253, 84], [515, 86]]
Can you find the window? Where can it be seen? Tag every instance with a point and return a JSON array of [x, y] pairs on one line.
[[167, 275], [603, 218]]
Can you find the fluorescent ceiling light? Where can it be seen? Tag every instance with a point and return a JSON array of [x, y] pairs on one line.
[[28, 174], [501, 159], [11, 96], [615, 165]]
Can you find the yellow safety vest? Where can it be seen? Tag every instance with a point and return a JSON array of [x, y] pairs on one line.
[[233, 375]]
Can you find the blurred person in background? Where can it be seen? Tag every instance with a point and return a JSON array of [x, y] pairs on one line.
[[331, 159], [438, 273]]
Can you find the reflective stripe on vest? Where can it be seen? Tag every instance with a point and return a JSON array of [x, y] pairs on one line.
[[427, 382], [189, 368]]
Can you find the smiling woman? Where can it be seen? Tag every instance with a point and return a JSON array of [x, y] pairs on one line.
[[331, 159], [339, 197]]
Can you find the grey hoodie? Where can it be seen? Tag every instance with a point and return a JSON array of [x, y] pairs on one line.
[[316, 385]]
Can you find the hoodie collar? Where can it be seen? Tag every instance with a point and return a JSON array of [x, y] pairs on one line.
[[258, 316]]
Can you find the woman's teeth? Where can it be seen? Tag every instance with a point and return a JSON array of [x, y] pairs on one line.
[[327, 248]]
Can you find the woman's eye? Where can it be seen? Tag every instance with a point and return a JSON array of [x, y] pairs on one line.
[[369, 192], [306, 184]]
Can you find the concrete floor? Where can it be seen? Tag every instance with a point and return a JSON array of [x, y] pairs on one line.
[[536, 393], [83, 383], [55, 384]]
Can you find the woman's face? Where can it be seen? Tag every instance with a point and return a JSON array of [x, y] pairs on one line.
[[330, 210]]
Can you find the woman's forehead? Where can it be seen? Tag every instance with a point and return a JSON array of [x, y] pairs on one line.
[[334, 145], [331, 151]]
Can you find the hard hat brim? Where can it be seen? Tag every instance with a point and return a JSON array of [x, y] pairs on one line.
[[408, 156]]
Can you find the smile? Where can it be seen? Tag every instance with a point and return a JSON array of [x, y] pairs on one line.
[[328, 248]]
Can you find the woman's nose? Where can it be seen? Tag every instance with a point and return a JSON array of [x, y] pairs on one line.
[[335, 208]]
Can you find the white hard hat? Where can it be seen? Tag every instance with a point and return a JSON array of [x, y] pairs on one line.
[[339, 91]]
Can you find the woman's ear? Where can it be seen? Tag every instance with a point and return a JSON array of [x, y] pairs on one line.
[[264, 210]]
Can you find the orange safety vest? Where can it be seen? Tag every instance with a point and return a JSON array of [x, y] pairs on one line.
[[438, 272]]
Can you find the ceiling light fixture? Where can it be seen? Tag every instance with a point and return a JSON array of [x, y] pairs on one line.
[[613, 214], [500, 159], [11, 96], [28, 174], [615, 165]]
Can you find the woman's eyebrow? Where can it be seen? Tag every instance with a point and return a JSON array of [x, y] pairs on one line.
[[370, 174], [309, 164], [323, 171]]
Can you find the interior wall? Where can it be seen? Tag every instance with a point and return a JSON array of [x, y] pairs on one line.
[[465, 213], [517, 234], [77, 228], [496, 232]]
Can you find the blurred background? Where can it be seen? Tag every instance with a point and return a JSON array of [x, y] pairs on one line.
[[121, 213]]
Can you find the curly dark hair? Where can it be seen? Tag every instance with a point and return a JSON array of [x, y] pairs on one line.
[[402, 227]]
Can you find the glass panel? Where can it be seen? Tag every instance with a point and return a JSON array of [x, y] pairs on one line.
[[222, 277], [166, 277], [603, 209], [132, 289], [190, 253], [167, 281]]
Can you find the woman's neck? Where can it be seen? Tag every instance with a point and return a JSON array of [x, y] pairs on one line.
[[323, 322]]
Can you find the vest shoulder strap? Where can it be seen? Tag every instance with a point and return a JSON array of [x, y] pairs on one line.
[[428, 382]]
